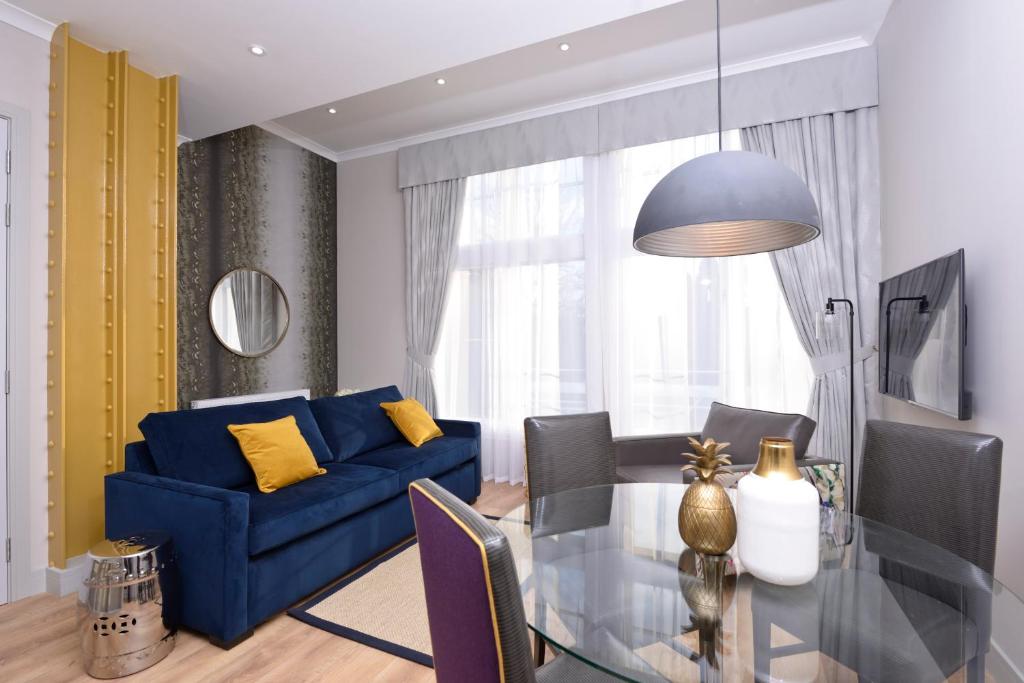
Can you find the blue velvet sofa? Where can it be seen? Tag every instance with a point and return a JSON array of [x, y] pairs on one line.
[[244, 556]]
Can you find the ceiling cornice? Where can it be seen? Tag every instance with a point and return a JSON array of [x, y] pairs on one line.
[[300, 140], [26, 21], [579, 103]]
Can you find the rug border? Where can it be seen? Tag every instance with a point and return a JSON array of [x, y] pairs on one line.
[[301, 612]]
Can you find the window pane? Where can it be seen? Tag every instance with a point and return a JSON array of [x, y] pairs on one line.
[[684, 332], [551, 310]]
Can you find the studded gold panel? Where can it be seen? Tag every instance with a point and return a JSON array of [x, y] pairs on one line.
[[111, 286]]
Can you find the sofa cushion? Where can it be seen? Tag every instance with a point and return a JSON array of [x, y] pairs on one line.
[[356, 423], [196, 446], [429, 460], [744, 427], [294, 511]]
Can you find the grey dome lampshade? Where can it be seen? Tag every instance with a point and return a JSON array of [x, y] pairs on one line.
[[726, 204]]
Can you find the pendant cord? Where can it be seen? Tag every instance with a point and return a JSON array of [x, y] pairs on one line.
[[718, 49]]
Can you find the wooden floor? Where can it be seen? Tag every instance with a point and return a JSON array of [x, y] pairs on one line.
[[38, 642]]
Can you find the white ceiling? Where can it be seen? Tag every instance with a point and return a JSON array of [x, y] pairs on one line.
[[375, 60], [317, 50], [653, 50]]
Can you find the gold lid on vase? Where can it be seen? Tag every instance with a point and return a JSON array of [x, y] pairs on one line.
[[777, 459]]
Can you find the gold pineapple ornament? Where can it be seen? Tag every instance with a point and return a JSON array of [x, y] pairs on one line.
[[707, 521]]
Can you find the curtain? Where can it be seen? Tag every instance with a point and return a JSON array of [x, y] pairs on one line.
[[255, 301], [677, 334], [841, 81], [910, 328], [513, 339], [837, 155], [432, 218], [245, 295], [553, 311]]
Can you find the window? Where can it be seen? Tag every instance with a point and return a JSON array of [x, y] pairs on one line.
[[552, 310]]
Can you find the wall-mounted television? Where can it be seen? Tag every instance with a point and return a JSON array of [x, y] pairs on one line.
[[922, 331]]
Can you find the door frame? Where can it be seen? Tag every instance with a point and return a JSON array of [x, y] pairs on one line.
[[26, 454], [6, 225]]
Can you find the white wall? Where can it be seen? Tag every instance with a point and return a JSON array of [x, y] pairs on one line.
[[371, 273], [24, 74], [952, 163]]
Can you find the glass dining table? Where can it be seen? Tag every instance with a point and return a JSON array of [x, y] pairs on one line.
[[606, 578]]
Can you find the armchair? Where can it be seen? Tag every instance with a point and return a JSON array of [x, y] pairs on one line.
[[657, 458]]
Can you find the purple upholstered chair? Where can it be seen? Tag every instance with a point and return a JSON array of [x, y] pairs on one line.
[[477, 624]]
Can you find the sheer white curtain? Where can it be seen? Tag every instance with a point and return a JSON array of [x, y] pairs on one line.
[[553, 311], [512, 343], [680, 333]]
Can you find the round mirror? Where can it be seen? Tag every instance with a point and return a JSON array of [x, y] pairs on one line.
[[248, 312]]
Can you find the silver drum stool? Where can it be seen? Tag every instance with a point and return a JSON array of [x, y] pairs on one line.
[[127, 606]]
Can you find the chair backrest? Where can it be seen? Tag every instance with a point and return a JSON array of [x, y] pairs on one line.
[[937, 484], [744, 427], [478, 627], [566, 452]]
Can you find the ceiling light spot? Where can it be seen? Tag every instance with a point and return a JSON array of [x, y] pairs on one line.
[[440, 81], [564, 47], [257, 50], [332, 110]]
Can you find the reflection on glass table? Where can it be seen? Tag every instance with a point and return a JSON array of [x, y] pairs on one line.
[[606, 578]]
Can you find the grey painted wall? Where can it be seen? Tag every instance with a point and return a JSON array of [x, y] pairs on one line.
[[247, 198], [949, 127], [371, 273]]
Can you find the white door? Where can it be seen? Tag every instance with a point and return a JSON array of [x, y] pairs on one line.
[[5, 225]]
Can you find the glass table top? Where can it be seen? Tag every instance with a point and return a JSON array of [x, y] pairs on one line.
[[605, 577]]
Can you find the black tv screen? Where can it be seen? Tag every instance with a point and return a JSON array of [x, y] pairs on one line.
[[922, 330]]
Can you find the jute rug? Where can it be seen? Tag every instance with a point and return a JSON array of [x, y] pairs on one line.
[[382, 605]]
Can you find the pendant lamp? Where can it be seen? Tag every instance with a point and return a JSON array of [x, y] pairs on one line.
[[726, 203]]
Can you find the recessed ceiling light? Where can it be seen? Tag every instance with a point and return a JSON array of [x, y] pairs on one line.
[[440, 81], [564, 47], [332, 110], [257, 50]]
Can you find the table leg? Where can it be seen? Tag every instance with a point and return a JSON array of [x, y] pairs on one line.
[[538, 649]]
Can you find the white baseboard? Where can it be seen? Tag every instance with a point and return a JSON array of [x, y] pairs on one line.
[[1003, 668], [61, 582]]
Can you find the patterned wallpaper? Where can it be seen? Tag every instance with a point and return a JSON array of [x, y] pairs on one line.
[[247, 198]]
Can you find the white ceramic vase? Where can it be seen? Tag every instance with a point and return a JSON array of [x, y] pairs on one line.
[[777, 515]]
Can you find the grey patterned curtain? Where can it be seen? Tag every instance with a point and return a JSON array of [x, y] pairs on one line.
[[432, 216], [910, 329], [256, 315], [837, 155], [244, 297]]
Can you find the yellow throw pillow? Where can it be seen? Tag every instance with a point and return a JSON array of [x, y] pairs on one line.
[[413, 420], [277, 453]]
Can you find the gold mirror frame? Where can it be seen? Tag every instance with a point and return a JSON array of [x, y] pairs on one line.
[[287, 311]]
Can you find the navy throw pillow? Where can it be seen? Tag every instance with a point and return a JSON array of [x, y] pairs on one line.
[[356, 423], [196, 446]]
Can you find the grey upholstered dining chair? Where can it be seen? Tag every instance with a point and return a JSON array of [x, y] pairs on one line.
[[942, 486], [568, 452], [657, 458], [478, 628], [938, 485]]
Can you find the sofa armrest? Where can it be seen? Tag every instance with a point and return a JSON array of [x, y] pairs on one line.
[[471, 430], [656, 449], [460, 428], [811, 460], [210, 530]]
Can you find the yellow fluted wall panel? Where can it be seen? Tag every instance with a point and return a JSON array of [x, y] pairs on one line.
[[112, 279], [149, 262], [55, 380], [86, 278]]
